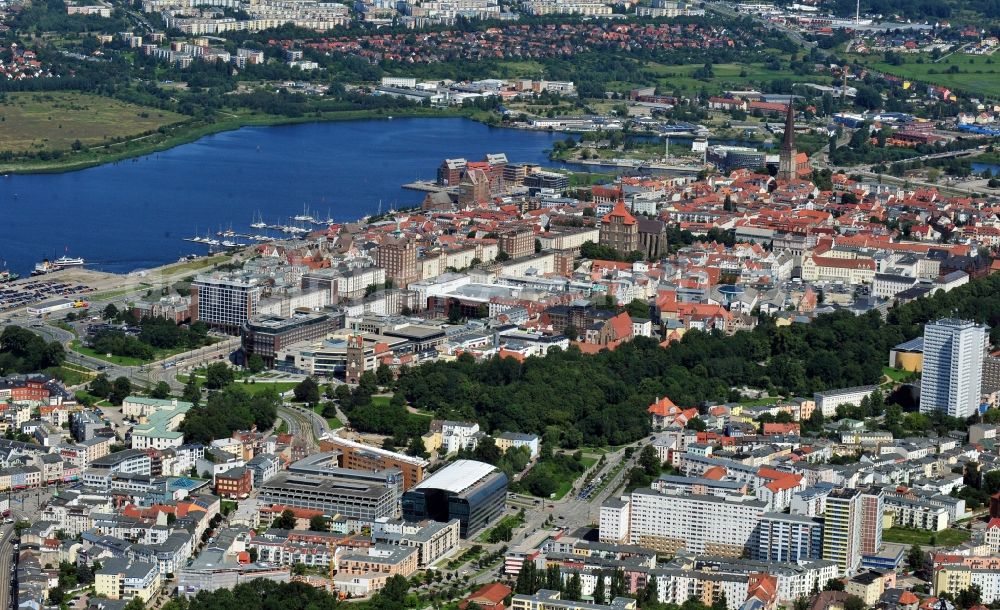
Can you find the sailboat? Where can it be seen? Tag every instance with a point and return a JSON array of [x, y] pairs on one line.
[[304, 216], [258, 222]]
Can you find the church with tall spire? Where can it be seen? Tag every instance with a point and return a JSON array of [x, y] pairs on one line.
[[787, 167]]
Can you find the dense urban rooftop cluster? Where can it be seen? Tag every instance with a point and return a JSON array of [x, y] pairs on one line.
[[533, 41]]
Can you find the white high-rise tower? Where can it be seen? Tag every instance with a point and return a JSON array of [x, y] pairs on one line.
[[953, 367]]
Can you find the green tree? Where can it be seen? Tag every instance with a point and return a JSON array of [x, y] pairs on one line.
[[319, 523], [638, 308], [57, 596], [284, 521], [255, 364], [135, 603], [307, 391], [384, 376], [650, 594], [617, 583], [915, 558], [100, 386], [120, 389], [967, 598], [720, 602], [574, 588], [991, 482], [853, 602], [161, 390], [416, 448], [527, 579], [218, 375], [599, 589], [191, 393], [649, 461], [110, 312]]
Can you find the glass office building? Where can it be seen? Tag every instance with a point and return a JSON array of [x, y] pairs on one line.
[[470, 491]]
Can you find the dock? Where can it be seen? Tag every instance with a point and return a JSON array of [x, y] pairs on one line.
[[427, 186], [640, 165]]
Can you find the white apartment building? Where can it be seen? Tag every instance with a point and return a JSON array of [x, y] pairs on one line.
[[697, 523], [916, 514], [456, 435], [953, 367], [614, 520], [828, 401]]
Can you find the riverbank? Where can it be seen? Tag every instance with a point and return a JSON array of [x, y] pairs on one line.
[[187, 132]]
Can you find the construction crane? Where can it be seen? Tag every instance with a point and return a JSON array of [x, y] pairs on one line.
[[333, 560]]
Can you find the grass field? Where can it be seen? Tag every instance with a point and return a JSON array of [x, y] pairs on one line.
[[250, 388], [55, 120], [114, 294], [514, 521], [948, 537], [897, 376], [974, 74], [726, 76], [79, 348], [70, 374], [333, 422]]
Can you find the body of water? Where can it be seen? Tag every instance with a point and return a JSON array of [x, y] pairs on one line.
[[133, 214], [978, 168]]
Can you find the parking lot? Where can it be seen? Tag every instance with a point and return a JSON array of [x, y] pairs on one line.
[[26, 292]]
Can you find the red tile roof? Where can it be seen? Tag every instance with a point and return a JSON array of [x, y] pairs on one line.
[[620, 211]]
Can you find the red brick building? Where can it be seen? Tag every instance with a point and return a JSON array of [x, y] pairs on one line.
[[24, 389], [234, 484]]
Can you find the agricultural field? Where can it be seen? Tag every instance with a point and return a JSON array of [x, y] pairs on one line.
[[975, 74], [31, 122]]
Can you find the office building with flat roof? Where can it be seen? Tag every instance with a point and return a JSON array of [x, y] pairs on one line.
[[470, 491], [265, 336], [358, 456], [332, 495], [222, 302]]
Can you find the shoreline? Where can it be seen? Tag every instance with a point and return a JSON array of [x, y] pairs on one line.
[[192, 132]]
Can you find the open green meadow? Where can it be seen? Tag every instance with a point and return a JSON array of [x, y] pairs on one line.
[[974, 74], [35, 121]]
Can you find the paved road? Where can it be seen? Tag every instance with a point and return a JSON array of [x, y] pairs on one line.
[[300, 425], [571, 512], [26, 506], [145, 375], [6, 561]]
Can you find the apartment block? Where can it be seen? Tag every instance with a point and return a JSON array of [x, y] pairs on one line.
[[696, 523]]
